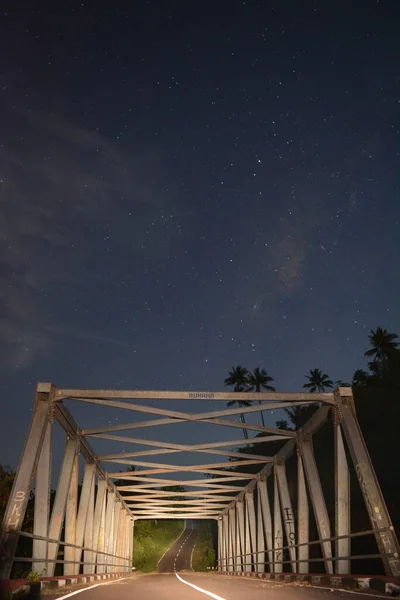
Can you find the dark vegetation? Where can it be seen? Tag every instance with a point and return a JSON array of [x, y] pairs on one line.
[[204, 557]]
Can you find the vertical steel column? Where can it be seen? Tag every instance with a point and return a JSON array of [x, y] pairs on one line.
[[287, 511], [342, 504], [250, 530], [117, 512], [97, 521], [232, 530], [88, 555], [238, 559], [100, 560], [42, 504], [241, 536], [131, 543], [260, 566], [118, 566], [108, 546], [127, 531], [278, 532], [387, 542], [83, 512], [123, 543], [229, 538], [220, 544], [71, 512], [317, 500], [302, 518], [60, 501], [18, 499], [263, 501], [225, 533]]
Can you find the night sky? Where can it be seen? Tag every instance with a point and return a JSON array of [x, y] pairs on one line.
[[187, 186]]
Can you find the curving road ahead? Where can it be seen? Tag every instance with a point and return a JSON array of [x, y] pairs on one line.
[[178, 557]]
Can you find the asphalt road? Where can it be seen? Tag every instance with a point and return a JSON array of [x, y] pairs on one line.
[[175, 580], [201, 586], [179, 556]]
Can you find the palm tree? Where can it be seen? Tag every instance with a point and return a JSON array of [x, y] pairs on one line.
[[238, 378], [257, 381], [317, 381], [382, 343]]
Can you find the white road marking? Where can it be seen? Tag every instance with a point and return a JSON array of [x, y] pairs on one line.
[[191, 558], [199, 589], [91, 587], [184, 529]]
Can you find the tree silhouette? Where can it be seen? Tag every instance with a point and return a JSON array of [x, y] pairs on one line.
[[383, 345], [341, 383], [257, 381], [238, 378], [360, 377], [317, 381]]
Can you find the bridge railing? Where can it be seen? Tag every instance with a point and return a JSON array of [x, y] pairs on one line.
[[252, 529], [255, 561], [97, 564]]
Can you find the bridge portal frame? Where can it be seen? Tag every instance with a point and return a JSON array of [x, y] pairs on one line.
[[99, 531]]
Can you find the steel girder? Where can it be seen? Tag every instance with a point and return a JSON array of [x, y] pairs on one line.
[[258, 528]]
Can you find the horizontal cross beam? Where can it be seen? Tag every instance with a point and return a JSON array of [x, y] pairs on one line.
[[186, 447], [174, 421], [305, 397]]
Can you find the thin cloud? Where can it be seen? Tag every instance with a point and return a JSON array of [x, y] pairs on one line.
[[57, 180]]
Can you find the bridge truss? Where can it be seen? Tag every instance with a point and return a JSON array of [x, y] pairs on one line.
[[260, 528]]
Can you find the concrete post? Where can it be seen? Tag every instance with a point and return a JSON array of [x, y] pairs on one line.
[[71, 512], [263, 500], [287, 511], [18, 499], [60, 501], [42, 504], [302, 518], [278, 531], [318, 501], [342, 504]]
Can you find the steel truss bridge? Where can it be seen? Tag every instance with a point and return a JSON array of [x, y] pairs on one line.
[[259, 527]]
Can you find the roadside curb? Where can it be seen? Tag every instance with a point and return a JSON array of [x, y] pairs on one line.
[[17, 588], [377, 583]]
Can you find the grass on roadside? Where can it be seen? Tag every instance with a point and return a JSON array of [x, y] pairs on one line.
[[151, 540], [203, 553]]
